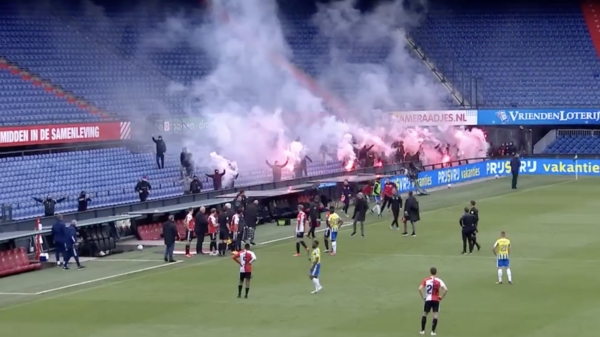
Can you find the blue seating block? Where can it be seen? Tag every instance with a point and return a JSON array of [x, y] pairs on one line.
[[521, 55], [108, 175], [574, 145]]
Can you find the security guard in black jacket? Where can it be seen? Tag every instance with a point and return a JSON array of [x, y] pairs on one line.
[[515, 165], [313, 216], [143, 188], [467, 223], [411, 213], [195, 186], [200, 228], [224, 220], [82, 202], [475, 212], [170, 235], [396, 203], [240, 201], [49, 204], [250, 222]]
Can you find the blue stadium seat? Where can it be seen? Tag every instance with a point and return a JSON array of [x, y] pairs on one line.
[[574, 144], [522, 55], [108, 175]]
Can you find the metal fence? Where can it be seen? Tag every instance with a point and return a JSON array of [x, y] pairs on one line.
[[577, 132]]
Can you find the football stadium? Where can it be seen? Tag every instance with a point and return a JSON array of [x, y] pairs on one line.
[[159, 157]]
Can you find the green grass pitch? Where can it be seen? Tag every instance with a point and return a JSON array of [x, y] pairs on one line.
[[370, 287]]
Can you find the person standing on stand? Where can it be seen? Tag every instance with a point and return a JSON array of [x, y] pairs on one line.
[[161, 148], [143, 188]]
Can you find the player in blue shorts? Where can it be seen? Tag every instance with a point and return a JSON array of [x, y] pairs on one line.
[[315, 266], [334, 226], [502, 251]]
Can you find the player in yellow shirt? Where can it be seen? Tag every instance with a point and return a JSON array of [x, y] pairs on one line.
[[502, 251], [335, 222], [315, 266]]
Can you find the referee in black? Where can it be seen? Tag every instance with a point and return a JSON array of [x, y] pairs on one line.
[[475, 212], [467, 223]]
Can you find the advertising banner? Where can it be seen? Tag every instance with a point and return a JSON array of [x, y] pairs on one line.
[[492, 168], [436, 118], [539, 117], [181, 125], [21, 135]]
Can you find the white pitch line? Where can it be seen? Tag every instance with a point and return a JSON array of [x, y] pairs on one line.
[[17, 294], [211, 260], [124, 260], [472, 257], [78, 284]]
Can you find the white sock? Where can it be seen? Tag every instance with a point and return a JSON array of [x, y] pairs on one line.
[[316, 283], [499, 275], [509, 274], [377, 209], [334, 247]]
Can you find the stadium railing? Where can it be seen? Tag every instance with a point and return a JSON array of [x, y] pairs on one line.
[[393, 169], [577, 132]]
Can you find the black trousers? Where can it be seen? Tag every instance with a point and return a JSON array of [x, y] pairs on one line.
[[313, 227], [467, 237], [143, 196], [386, 201], [160, 160], [200, 241], [395, 222], [515, 178], [346, 204]]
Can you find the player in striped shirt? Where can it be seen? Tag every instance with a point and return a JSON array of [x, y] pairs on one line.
[[502, 251], [189, 230], [213, 229], [435, 290], [245, 258], [300, 229]]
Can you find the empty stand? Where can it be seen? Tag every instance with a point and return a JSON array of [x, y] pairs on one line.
[[108, 175], [575, 142], [522, 54]]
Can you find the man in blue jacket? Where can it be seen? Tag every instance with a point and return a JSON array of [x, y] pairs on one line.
[[70, 245], [59, 230]]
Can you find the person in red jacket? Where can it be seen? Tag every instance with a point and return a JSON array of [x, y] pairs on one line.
[[367, 190], [388, 192]]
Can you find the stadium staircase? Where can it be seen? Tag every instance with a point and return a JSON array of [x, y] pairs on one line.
[[591, 13], [51, 88]]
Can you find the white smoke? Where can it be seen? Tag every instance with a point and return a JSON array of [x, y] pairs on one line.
[[295, 153], [255, 105], [223, 164], [345, 151]]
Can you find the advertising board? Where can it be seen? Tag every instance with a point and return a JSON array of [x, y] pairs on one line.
[[21, 135], [539, 117], [498, 167], [436, 118]]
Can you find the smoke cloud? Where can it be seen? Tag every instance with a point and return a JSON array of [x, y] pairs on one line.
[[254, 104]]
